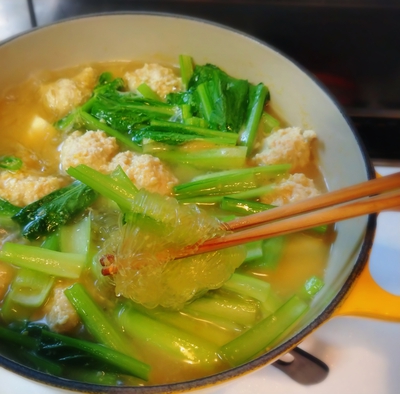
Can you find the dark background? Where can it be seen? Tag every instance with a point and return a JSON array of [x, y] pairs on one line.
[[352, 46]]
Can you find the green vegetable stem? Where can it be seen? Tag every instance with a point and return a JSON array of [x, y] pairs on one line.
[[248, 286], [208, 159], [147, 92], [116, 186], [258, 96], [7, 211], [229, 306], [243, 207], [269, 122], [11, 163], [168, 341], [186, 68], [258, 337], [229, 182], [66, 265], [96, 321], [272, 252], [43, 349], [212, 328]]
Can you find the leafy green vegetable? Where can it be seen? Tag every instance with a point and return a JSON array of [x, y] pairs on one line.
[[216, 97], [96, 320], [110, 96], [247, 285], [258, 337], [75, 237], [214, 328], [253, 251], [228, 305], [164, 137], [52, 241], [27, 214], [116, 186], [28, 290], [250, 193], [323, 228], [57, 208], [117, 112], [209, 159], [7, 211], [269, 122], [213, 100], [229, 182], [46, 347], [311, 287], [26, 341], [51, 262], [258, 96], [186, 68], [79, 119], [272, 250], [227, 138], [147, 92], [12, 163], [172, 133], [195, 121], [163, 339], [128, 113], [244, 207]]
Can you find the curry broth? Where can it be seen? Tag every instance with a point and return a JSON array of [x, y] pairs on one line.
[[305, 254]]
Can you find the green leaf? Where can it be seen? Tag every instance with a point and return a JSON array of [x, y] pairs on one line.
[[45, 215]]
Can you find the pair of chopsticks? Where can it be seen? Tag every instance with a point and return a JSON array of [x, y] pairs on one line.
[[376, 195]]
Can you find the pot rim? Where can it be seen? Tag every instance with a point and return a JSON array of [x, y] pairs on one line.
[[268, 357]]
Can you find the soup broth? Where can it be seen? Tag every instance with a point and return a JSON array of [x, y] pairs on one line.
[[208, 318]]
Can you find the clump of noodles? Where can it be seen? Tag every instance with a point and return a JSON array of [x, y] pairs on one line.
[[142, 252]]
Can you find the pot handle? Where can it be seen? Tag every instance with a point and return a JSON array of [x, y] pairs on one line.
[[368, 299]]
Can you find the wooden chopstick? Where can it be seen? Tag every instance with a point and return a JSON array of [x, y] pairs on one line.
[[331, 213], [364, 189]]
